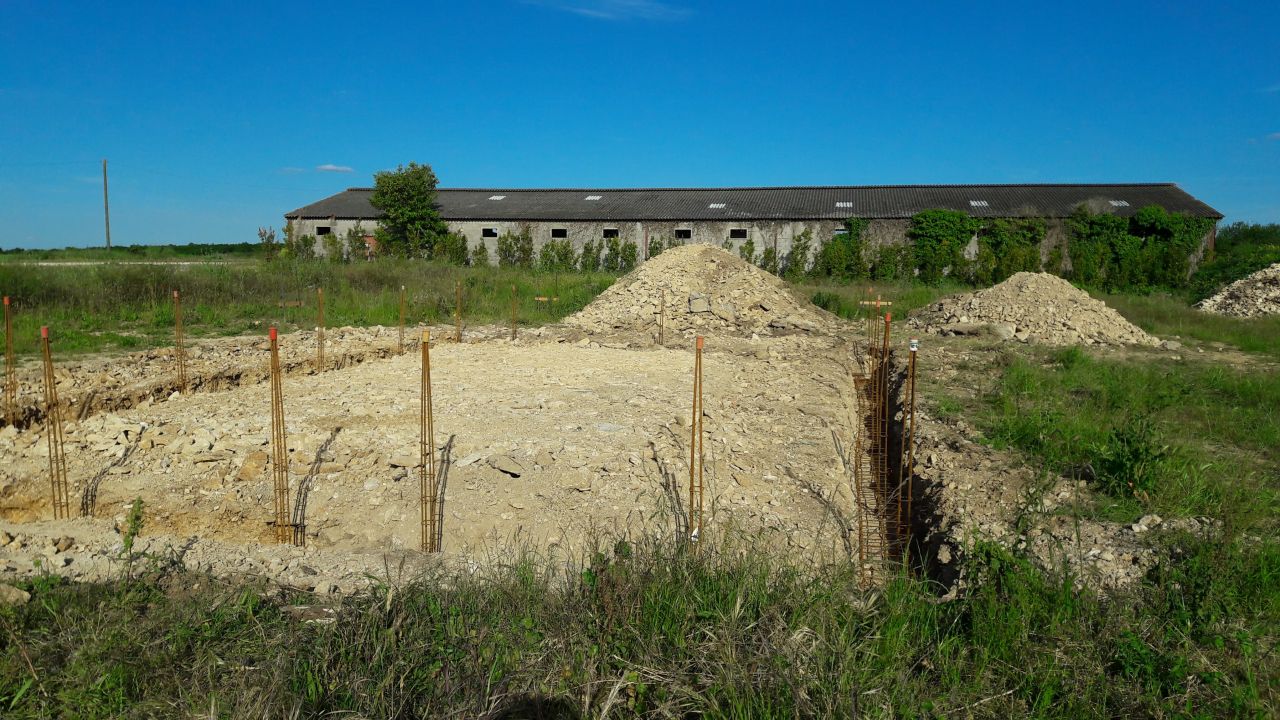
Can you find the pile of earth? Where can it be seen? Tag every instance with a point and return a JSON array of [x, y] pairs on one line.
[[701, 290], [1250, 296], [1032, 307]]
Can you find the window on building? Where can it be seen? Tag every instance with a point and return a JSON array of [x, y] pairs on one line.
[[738, 234], [497, 197], [593, 197], [610, 233], [684, 233], [979, 203], [841, 231], [1119, 203], [716, 206], [559, 233], [323, 229], [489, 232], [844, 204]]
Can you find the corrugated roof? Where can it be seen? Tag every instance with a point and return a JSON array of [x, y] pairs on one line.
[[775, 203]]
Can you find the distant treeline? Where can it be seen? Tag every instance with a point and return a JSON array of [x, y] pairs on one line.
[[138, 252]]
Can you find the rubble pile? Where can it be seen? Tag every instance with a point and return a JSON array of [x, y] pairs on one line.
[[1032, 307], [701, 290], [1250, 296]]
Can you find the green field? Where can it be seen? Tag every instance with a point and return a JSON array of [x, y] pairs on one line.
[[641, 628]]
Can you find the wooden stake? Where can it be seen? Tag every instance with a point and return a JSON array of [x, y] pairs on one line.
[[106, 206], [513, 312]]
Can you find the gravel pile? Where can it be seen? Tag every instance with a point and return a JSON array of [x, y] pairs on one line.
[[707, 292], [1032, 307], [1250, 296]]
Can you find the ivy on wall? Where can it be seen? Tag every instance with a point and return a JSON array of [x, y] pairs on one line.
[[1151, 249], [939, 238]]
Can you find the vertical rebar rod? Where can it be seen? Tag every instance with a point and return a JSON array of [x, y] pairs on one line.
[[59, 492], [427, 456], [179, 350], [662, 316], [457, 310], [695, 448], [911, 446], [319, 330], [513, 312], [402, 309], [884, 430], [279, 450], [10, 370]]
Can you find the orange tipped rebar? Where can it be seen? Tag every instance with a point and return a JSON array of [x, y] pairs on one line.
[[59, 491], [319, 330], [427, 457], [695, 448], [662, 316], [911, 447], [179, 351], [10, 370], [279, 449], [457, 310], [402, 309]]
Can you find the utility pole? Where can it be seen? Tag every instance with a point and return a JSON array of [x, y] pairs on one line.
[[106, 207]]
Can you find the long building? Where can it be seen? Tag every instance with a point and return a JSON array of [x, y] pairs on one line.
[[767, 216]]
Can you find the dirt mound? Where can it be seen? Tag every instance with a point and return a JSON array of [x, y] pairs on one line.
[[1032, 307], [1250, 296], [707, 292]]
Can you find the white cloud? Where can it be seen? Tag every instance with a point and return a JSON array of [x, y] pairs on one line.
[[330, 167], [1274, 136], [291, 170], [1272, 88], [616, 9]]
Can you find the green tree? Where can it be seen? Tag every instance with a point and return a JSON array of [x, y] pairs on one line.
[[557, 256], [613, 255], [451, 248], [656, 246], [516, 249], [410, 224], [747, 251], [797, 263], [589, 260], [480, 254], [769, 260], [629, 256]]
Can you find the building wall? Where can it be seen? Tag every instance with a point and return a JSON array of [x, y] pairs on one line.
[[765, 233]]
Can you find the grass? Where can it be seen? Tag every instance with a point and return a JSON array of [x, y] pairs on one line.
[[137, 253], [650, 630], [117, 306], [1176, 438], [1167, 315], [842, 298]]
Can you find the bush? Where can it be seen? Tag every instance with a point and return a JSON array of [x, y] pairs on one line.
[[557, 256], [516, 249], [1131, 459], [893, 262], [589, 259], [769, 260], [1240, 249], [841, 256], [747, 251], [451, 248], [1007, 246], [480, 254], [630, 255], [1151, 249], [797, 260]]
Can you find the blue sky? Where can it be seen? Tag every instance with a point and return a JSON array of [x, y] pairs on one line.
[[217, 117]]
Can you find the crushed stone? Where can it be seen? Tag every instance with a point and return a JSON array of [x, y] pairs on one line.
[[1032, 307], [701, 290], [1250, 296]]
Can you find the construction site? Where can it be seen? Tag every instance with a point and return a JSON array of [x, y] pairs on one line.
[[697, 399]]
